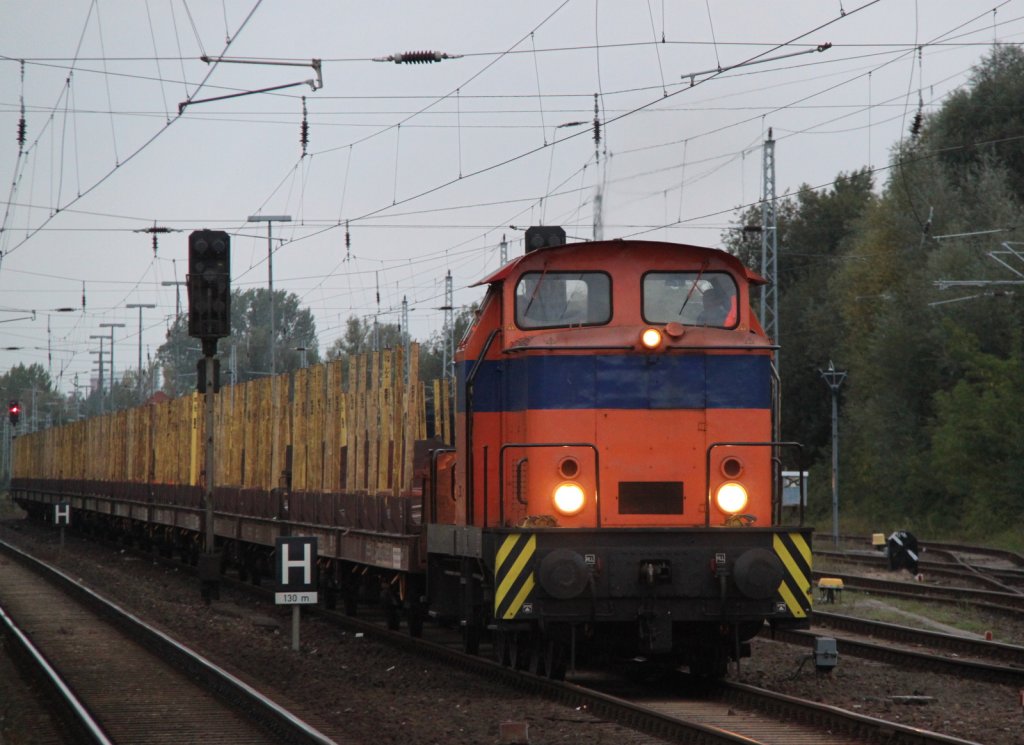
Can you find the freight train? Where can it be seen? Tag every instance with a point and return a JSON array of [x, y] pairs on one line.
[[610, 487]]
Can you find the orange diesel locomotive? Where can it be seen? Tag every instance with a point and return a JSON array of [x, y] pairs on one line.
[[614, 485]]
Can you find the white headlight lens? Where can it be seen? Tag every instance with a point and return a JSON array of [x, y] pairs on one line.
[[569, 498], [731, 497], [650, 338]]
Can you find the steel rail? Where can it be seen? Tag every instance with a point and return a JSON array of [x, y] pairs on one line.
[[258, 707]]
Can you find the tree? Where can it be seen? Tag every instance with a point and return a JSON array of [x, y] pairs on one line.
[[32, 387], [815, 228], [982, 123], [364, 335], [977, 440], [432, 354], [294, 329]]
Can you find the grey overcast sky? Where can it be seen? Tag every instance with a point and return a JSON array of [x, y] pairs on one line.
[[430, 165]]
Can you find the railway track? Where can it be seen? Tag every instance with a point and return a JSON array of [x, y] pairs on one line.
[[951, 568], [132, 683], [693, 711], [1009, 603], [726, 713], [980, 665]]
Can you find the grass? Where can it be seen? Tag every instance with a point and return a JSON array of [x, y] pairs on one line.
[[903, 611]]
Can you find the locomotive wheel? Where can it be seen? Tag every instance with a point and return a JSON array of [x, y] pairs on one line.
[[471, 638], [555, 659], [711, 664], [536, 665], [547, 657], [500, 647], [519, 648]]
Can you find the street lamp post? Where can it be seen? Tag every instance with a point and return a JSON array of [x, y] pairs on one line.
[[112, 326], [102, 338], [177, 285], [833, 379], [269, 220], [140, 306]]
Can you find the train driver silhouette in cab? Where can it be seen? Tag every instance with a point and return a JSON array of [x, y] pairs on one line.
[[719, 308]]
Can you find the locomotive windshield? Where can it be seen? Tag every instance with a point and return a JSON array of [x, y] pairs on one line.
[[690, 298], [553, 299]]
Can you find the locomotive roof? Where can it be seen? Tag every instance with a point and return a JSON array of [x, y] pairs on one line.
[[727, 259]]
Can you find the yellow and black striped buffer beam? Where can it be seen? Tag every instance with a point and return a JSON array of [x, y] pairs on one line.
[[795, 588], [513, 576]]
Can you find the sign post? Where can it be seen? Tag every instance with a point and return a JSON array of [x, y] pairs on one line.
[[62, 517], [296, 573]]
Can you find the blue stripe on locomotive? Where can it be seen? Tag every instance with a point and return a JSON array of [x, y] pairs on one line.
[[619, 382]]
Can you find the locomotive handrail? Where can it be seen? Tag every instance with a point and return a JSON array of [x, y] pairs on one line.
[[771, 444], [501, 471], [470, 380]]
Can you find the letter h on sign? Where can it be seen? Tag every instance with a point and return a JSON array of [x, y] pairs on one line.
[[61, 514], [296, 564]]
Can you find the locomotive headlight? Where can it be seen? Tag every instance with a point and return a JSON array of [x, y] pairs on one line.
[[569, 498], [651, 338], [731, 497]]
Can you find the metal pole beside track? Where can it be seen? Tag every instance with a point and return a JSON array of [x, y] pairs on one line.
[[833, 379], [209, 562]]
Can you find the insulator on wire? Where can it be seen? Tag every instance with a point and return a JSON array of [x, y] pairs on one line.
[[915, 126], [22, 128], [417, 58], [304, 130]]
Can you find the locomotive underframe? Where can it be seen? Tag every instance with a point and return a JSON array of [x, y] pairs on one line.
[[688, 596]]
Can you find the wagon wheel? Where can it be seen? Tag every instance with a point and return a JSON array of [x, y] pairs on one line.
[[414, 619], [348, 599], [392, 609]]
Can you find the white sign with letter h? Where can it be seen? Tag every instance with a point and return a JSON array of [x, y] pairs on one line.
[[62, 514]]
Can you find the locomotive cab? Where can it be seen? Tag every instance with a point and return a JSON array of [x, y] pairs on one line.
[[604, 385]]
